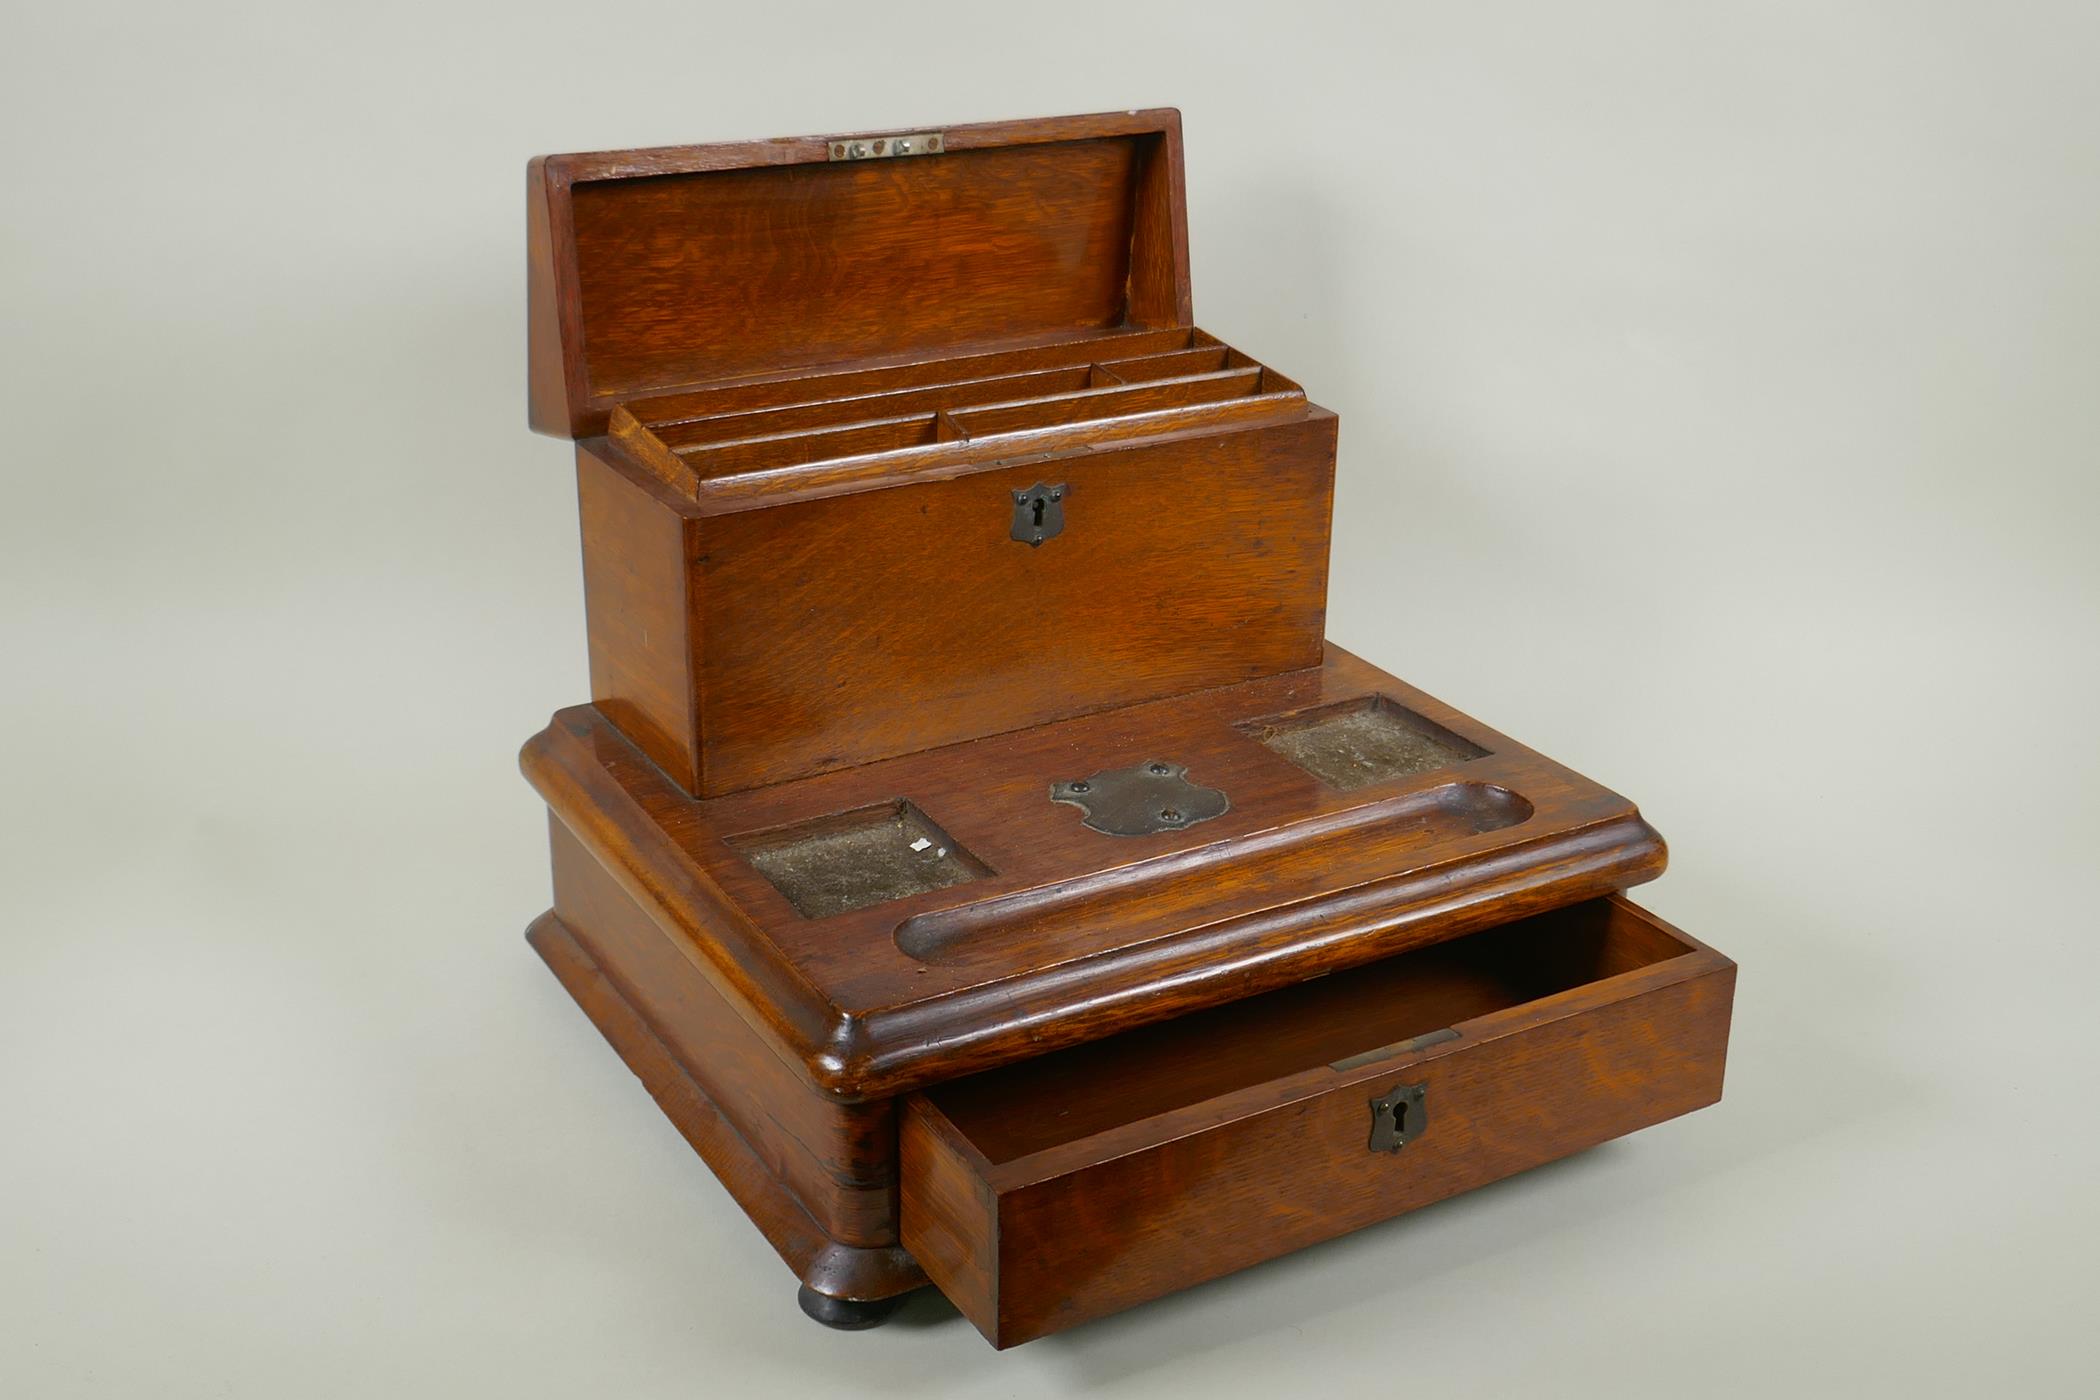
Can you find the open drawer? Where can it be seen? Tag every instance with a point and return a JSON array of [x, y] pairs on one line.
[[1059, 1189]]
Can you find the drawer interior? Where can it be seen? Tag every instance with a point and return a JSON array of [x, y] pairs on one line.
[[1348, 1016], [1056, 1190], [955, 411]]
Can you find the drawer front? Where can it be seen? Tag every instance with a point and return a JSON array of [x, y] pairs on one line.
[[1029, 1236]]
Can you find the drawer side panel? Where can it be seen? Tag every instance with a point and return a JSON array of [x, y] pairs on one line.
[[948, 1213], [635, 611]]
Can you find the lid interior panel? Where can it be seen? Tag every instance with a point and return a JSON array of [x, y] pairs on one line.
[[717, 274]]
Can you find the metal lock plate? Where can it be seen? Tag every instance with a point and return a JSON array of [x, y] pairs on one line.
[[1039, 513], [1151, 797], [1398, 1118]]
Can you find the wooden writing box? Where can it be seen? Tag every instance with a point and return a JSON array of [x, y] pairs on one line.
[[908, 448], [1056, 920]]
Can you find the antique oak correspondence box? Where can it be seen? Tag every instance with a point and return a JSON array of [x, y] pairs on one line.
[[971, 841]]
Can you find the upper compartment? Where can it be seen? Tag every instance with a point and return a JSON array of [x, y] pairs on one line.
[[692, 266]]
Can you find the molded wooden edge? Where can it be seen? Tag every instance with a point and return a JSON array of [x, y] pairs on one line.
[[646, 450], [883, 1053], [1067, 1004], [650, 868], [943, 934], [821, 1263]]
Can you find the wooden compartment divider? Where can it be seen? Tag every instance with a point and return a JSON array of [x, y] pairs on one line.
[[1203, 360], [686, 431], [760, 422], [964, 414], [1086, 387], [817, 444], [1090, 405], [817, 388]]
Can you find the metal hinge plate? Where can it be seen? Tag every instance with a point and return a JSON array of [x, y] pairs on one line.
[[911, 143]]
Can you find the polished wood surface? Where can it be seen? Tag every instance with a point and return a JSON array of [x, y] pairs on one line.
[[1083, 1182], [1076, 935], [822, 382], [638, 611], [683, 265], [823, 1264], [832, 1157], [1058, 1071]]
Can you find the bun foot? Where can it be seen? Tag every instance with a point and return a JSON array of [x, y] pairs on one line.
[[844, 1313]]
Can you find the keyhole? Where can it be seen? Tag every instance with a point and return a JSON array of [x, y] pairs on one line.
[[1040, 503], [1400, 1117]]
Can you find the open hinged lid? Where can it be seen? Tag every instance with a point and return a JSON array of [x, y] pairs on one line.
[[659, 270]]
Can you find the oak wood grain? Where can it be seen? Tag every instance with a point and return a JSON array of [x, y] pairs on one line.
[[1107, 1176], [831, 631], [1183, 925], [638, 610], [833, 1158], [1076, 1071], [682, 265], [822, 1263]]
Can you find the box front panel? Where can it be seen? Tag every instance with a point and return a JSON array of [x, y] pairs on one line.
[[838, 631]]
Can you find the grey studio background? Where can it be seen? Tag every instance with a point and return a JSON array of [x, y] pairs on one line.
[[1718, 407]]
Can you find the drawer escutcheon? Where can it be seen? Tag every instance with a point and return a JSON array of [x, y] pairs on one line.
[[1399, 1118]]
